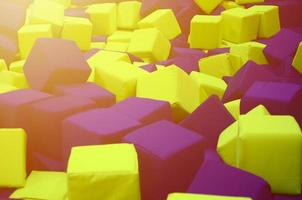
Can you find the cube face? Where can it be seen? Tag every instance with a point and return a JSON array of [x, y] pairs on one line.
[[118, 171], [13, 155], [297, 62], [128, 14], [206, 32], [208, 6], [79, 30]]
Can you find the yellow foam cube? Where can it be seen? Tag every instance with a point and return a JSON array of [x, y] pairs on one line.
[[102, 57], [47, 12], [6, 88], [209, 84], [3, 65], [14, 79], [164, 20], [17, 66], [248, 1], [43, 185], [117, 46], [250, 51], [187, 196], [258, 111], [79, 30], [13, 157], [97, 45], [150, 45], [297, 62], [120, 78], [262, 146], [103, 17], [120, 36], [112, 167], [205, 32], [208, 6], [234, 108], [173, 85], [230, 4], [240, 25], [269, 20], [128, 14], [28, 34]]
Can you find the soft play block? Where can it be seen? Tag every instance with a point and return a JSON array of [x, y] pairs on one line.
[[17, 66], [13, 157], [46, 12], [55, 61], [8, 48], [164, 20], [111, 167], [278, 137], [40, 162], [217, 178], [150, 45], [7, 88], [96, 126], [14, 79], [208, 6], [128, 14], [28, 34], [144, 110], [117, 46], [119, 78], [234, 108], [205, 32], [173, 85], [50, 113], [268, 94], [79, 30], [269, 20], [120, 36], [209, 84], [240, 25], [209, 120], [12, 104], [3, 65], [103, 17], [187, 196], [297, 62], [43, 185], [102, 97], [164, 149]]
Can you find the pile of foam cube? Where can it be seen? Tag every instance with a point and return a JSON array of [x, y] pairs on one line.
[[150, 99]]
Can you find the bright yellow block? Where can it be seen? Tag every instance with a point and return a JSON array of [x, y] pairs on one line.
[[103, 17], [120, 78], [14, 79], [3, 65], [17, 66], [150, 45], [103, 57], [173, 85], [164, 20], [120, 36], [234, 108], [209, 84], [117, 46], [43, 185], [94, 172], [187, 196], [208, 6], [269, 20], [128, 14], [240, 25], [97, 45], [297, 62], [205, 32], [230, 4], [250, 51], [13, 157], [28, 34], [46, 12], [258, 110], [6, 88], [248, 1], [79, 30]]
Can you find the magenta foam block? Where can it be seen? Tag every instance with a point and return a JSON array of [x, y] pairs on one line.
[[279, 98], [144, 110], [55, 62], [209, 120], [164, 151], [8, 48], [148, 6], [13, 105], [39, 162], [99, 95]]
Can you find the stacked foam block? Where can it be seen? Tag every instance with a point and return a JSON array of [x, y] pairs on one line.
[[151, 99]]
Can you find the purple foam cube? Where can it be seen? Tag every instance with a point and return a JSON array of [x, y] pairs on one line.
[[101, 96], [209, 120], [169, 156]]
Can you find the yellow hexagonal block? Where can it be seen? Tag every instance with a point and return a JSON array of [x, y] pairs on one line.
[[208, 6], [205, 32], [3, 65], [103, 17], [297, 62], [13, 157], [186, 196], [79, 30], [128, 14], [164, 20], [17, 66], [269, 20], [112, 167], [14, 79], [209, 84], [150, 45], [240, 25]]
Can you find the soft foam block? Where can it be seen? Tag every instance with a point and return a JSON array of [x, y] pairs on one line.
[[208, 6], [297, 62], [128, 14], [186, 196]]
